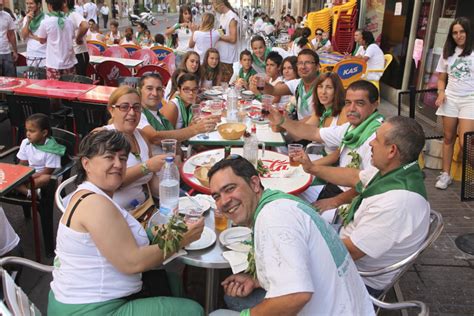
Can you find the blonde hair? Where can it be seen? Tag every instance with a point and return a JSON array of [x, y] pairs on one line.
[[207, 22], [120, 92]]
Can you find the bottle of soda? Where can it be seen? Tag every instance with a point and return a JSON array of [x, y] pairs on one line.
[[169, 188], [227, 151]]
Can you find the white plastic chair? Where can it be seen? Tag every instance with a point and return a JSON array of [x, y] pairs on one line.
[[59, 195]]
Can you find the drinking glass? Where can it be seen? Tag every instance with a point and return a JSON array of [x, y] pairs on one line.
[[216, 107], [169, 146], [267, 101], [197, 115], [220, 220], [192, 215], [294, 149], [261, 82]]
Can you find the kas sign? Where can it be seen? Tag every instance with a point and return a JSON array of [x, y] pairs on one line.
[[349, 70]]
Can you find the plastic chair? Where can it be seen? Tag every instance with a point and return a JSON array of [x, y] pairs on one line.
[[46, 203], [131, 48], [110, 71], [170, 63], [60, 194], [161, 51], [436, 226], [129, 81], [388, 59], [147, 55], [93, 50], [165, 75], [350, 70], [116, 51], [424, 310], [87, 116], [21, 61], [100, 45]]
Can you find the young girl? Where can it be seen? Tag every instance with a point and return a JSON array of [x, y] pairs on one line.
[[178, 110], [147, 40], [205, 37], [260, 53], [302, 42], [39, 151], [181, 32], [189, 64], [211, 73], [289, 72], [241, 78]]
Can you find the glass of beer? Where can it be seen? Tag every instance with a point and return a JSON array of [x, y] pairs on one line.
[[294, 149], [220, 220]]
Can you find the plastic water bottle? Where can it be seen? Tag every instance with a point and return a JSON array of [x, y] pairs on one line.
[[169, 188], [232, 100]]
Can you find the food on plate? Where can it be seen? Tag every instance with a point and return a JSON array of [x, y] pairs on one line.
[[200, 173]]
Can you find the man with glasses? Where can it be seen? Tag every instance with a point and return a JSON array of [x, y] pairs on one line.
[[301, 265], [302, 89], [154, 125], [8, 55], [389, 219]]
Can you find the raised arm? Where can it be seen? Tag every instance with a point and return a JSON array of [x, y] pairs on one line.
[[296, 128]]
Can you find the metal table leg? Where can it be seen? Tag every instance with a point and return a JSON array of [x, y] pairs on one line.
[[211, 290]]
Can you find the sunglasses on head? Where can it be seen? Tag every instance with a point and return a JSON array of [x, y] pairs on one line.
[[319, 33]]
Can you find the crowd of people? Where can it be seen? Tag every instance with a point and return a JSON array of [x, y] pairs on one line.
[[367, 173]]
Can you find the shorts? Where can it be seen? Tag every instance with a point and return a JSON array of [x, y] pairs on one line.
[[55, 74], [457, 107]]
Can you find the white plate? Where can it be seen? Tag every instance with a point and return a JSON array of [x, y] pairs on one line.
[[212, 92], [229, 239], [204, 160], [208, 238], [248, 93], [185, 203]]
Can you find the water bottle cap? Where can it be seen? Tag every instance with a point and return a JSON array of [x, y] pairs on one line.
[[169, 159]]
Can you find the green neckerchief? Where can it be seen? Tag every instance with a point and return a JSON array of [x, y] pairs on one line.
[[164, 125], [139, 36], [51, 146], [408, 177], [327, 113], [246, 76], [61, 17], [304, 96], [35, 22], [186, 114], [356, 137], [355, 49], [324, 41], [258, 62]]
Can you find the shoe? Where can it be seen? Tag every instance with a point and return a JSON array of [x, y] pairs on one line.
[[443, 181]]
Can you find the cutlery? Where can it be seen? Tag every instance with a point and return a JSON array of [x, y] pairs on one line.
[[193, 200]]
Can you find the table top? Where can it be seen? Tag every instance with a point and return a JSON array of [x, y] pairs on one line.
[[330, 58], [7, 84], [11, 175], [277, 163], [127, 62], [264, 134], [54, 89], [98, 94], [210, 257]]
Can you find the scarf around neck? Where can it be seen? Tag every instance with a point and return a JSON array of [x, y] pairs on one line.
[[61, 17], [186, 113], [327, 113], [36, 21], [304, 105], [246, 76], [164, 125], [408, 177], [357, 136], [258, 62], [51, 146]]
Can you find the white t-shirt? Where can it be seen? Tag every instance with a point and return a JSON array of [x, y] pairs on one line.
[[59, 50], [302, 113], [228, 52], [6, 24], [387, 227], [8, 238], [376, 61], [332, 137], [184, 34], [179, 121], [155, 149], [257, 25], [77, 19], [295, 254], [82, 274], [104, 10], [268, 28], [325, 47], [204, 41], [91, 10], [79, 9], [460, 72], [36, 158], [33, 47], [360, 51]]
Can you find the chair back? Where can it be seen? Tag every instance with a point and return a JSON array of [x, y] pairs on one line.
[[76, 78], [350, 70], [436, 226], [170, 63], [21, 61], [110, 71], [424, 310], [147, 55], [100, 45], [60, 194], [161, 51], [131, 48], [116, 51], [129, 81], [93, 50], [388, 60], [67, 139], [165, 75]]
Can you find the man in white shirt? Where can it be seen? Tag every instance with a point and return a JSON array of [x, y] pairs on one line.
[[104, 10], [90, 11], [389, 220], [8, 49], [298, 259], [257, 25]]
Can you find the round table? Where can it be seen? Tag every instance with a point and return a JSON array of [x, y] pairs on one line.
[[276, 162]]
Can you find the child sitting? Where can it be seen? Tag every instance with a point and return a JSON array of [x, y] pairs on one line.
[[241, 78], [211, 73], [39, 151]]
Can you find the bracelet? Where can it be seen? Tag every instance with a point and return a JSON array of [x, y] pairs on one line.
[[441, 90], [282, 120], [177, 26], [144, 168]]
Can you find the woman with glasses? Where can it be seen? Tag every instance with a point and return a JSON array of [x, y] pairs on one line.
[[178, 110], [125, 109], [101, 250]]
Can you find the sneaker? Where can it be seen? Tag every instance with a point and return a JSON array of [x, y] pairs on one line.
[[443, 181]]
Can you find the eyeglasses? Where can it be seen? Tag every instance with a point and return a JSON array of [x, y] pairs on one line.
[[305, 63], [125, 107], [189, 90]]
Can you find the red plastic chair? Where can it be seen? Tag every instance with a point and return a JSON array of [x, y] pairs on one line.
[[100, 45], [161, 51], [21, 61], [165, 75], [147, 55], [110, 71], [92, 73], [131, 48], [93, 50], [170, 63], [116, 51]]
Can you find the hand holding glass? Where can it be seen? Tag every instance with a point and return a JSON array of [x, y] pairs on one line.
[[294, 149], [169, 146]]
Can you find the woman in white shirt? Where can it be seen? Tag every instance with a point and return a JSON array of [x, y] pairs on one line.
[[35, 51], [182, 30], [373, 55], [205, 37]]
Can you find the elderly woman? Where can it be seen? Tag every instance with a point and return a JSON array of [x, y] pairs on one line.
[[125, 109], [101, 249]]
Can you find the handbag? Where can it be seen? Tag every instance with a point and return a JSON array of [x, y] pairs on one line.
[[144, 211]]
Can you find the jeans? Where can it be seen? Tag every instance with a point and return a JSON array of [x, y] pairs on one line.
[[7, 67], [82, 61]]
